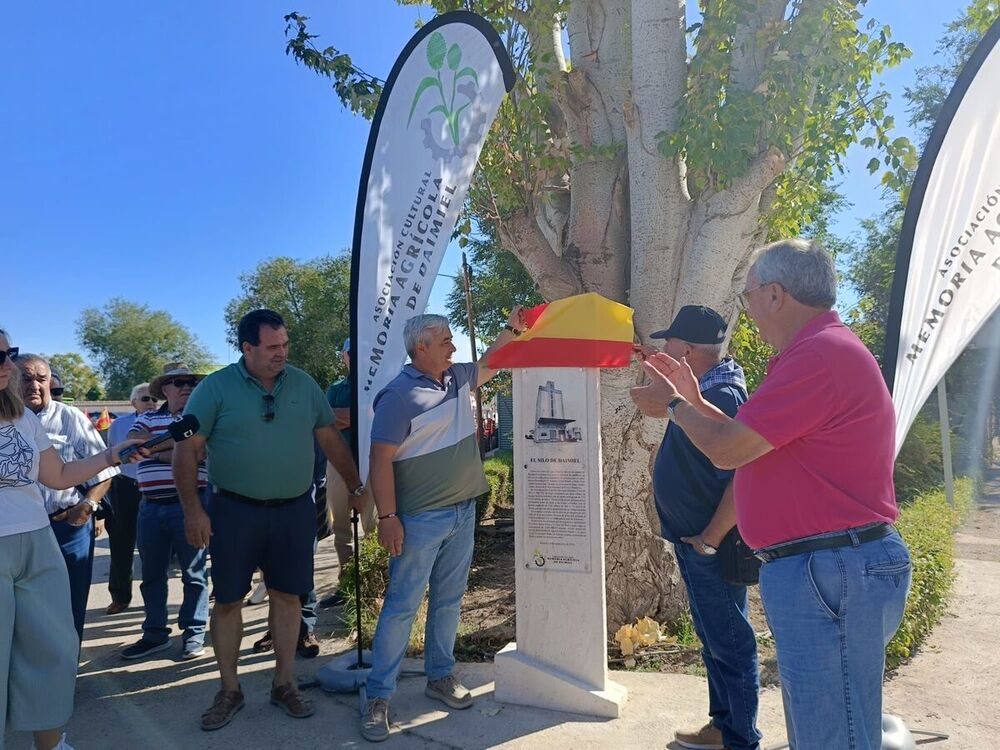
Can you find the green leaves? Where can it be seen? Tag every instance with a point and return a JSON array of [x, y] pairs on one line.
[[454, 56], [131, 342], [426, 83], [436, 50], [314, 299], [467, 73], [355, 88]]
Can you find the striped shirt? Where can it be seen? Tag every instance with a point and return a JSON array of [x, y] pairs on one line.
[[156, 478], [73, 437], [437, 463]]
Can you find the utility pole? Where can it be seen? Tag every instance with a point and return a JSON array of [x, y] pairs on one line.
[[467, 283]]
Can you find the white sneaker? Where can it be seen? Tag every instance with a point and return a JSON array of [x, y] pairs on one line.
[[63, 744], [259, 594]]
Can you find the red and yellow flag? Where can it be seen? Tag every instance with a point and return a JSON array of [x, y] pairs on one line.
[[104, 421], [585, 330]]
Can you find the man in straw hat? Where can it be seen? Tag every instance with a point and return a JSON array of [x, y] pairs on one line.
[[160, 526]]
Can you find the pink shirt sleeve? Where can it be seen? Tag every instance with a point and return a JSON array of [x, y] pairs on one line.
[[796, 398]]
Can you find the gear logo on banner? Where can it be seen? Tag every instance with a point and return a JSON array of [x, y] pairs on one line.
[[464, 85]]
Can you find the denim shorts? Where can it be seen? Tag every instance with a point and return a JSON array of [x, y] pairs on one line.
[[278, 539]]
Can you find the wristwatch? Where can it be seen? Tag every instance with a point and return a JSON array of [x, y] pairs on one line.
[[94, 505], [674, 403], [708, 549], [509, 327], [358, 491]]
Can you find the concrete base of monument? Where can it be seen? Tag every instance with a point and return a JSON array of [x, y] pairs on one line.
[[526, 681]]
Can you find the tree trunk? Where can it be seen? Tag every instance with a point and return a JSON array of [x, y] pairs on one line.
[[642, 577], [631, 231]]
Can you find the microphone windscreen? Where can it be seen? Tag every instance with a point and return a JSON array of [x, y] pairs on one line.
[[183, 428]]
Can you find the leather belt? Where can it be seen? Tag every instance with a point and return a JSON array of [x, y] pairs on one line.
[[256, 501], [162, 500], [848, 538]]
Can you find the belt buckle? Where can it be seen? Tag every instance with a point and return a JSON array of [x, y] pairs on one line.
[[763, 555]]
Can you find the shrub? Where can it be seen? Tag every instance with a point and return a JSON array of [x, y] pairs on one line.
[[927, 524], [374, 567], [499, 471]]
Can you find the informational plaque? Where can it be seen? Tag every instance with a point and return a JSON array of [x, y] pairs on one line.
[[559, 660], [557, 523]]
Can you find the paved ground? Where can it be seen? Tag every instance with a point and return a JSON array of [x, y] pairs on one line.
[[951, 685]]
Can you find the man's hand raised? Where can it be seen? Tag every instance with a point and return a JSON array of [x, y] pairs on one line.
[[673, 376]]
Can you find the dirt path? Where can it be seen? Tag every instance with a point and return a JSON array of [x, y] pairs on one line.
[[952, 683]]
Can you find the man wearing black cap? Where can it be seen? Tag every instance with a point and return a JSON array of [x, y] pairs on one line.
[[694, 501]]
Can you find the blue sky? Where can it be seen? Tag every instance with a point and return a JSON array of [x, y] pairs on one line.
[[155, 152]]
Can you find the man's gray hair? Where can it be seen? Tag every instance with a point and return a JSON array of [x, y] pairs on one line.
[[415, 330], [803, 267], [135, 391], [24, 359]]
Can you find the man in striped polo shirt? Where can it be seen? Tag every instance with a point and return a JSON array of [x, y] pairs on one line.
[[425, 473], [161, 527]]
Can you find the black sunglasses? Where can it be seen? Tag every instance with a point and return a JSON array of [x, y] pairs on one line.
[[56, 391], [268, 415], [147, 399], [10, 354], [181, 382]]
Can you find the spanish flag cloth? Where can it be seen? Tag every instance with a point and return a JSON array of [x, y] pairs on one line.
[[586, 330], [104, 421]]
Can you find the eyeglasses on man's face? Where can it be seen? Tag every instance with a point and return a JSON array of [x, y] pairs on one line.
[[57, 392], [268, 415], [743, 298], [10, 354], [148, 399], [181, 382]]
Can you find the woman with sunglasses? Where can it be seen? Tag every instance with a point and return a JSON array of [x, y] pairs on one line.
[[38, 641]]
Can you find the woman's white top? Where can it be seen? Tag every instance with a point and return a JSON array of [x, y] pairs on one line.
[[22, 507]]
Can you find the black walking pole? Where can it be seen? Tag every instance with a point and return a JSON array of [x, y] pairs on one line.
[[355, 518]]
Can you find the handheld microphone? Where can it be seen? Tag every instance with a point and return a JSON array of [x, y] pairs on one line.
[[177, 431]]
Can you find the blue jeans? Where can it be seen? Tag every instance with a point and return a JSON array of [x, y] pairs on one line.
[[437, 550], [77, 546], [161, 535], [832, 613], [719, 611]]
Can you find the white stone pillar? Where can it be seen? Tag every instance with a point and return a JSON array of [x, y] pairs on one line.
[[559, 660]]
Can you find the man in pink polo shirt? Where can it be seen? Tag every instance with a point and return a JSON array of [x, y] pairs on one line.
[[814, 450]]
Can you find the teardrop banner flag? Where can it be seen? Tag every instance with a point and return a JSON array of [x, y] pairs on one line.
[[435, 111], [947, 280], [586, 330]]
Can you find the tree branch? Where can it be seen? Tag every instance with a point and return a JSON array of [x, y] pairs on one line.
[[754, 43], [554, 277], [545, 37], [746, 190], [599, 78]]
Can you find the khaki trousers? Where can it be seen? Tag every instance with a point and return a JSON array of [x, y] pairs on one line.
[[339, 512]]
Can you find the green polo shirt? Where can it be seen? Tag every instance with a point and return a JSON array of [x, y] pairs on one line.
[[266, 460]]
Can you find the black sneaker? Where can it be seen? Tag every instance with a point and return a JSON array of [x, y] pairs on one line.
[[308, 647], [142, 648], [337, 599]]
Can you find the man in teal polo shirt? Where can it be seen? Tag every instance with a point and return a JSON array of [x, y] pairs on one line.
[[258, 418]]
